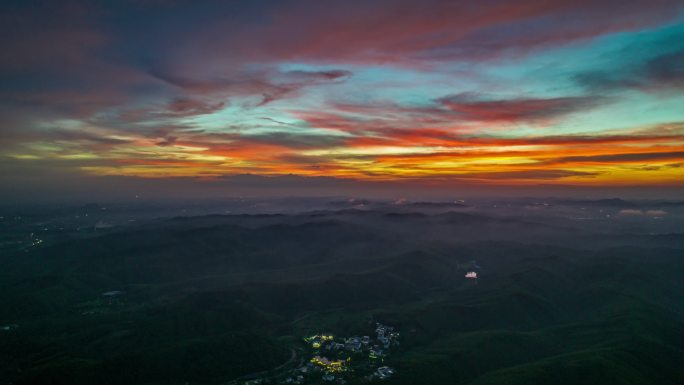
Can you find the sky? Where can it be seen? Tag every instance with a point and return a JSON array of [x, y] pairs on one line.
[[308, 96]]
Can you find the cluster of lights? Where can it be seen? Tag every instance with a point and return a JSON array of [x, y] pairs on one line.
[[335, 366], [316, 340]]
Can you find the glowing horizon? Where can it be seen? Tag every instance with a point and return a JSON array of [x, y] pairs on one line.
[[553, 92]]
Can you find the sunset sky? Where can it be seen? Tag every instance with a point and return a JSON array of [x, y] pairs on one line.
[[546, 92]]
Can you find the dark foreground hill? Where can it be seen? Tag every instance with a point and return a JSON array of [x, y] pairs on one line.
[[206, 300]]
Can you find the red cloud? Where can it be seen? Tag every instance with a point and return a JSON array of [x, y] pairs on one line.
[[517, 110], [407, 32]]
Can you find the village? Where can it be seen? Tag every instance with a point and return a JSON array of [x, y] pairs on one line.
[[332, 359]]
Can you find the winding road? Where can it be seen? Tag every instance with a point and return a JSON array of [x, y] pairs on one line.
[[251, 376]]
